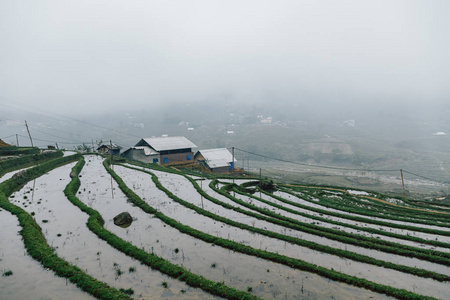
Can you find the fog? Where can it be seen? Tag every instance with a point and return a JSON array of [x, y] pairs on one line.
[[88, 57], [344, 83]]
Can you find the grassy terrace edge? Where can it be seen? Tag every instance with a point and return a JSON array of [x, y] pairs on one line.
[[357, 240], [26, 161], [281, 259], [310, 191], [345, 237], [95, 224], [35, 242], [342, 216]]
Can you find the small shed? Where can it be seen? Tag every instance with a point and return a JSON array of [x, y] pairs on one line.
[[109, 149], [218, 160], [142, 153]]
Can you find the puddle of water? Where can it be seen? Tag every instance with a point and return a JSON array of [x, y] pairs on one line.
[[64, 227], [346, 221], [8, 175], [29, 279], [215, 263], [402, 260], [144, 187], [302, 201]]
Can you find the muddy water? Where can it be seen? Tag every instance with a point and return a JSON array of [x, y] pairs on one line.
[[302, 201], [343, 228], [69, 153], [64, 227], [267, 279], [143, 186], [29, 279], [402, 260], [8, 175]]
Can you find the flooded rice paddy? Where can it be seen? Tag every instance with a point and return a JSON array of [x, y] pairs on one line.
[[64, 227]]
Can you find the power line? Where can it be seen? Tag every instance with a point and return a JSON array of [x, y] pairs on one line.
[[313, 165], [420, 176], [49, 113], [335, 168], [8, 137], [53, 135]]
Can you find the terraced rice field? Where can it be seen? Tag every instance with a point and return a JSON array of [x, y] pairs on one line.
[[210, 238]]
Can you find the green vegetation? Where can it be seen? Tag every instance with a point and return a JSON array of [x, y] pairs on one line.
[[129, 291], [38, 248], [345, 216], [35, 242], [13, 150], [392, 213], [26, 161], [95, 224], [342, 236], [288, 261]]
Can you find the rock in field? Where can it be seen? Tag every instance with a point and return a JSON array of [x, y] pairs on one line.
[[123, 219]]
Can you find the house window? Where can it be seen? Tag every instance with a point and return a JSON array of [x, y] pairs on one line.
[[166, 160], [155, 160], [188, 157]]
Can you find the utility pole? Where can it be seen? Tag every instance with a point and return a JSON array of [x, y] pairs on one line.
[[92, 145], [111, 166], [260, 183], [110, 155], [57, 146], [17, 140], [26, 125], [232, 161], [201, 186], [403, 184]]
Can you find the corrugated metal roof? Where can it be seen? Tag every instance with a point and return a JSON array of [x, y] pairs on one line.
[[216, 158], [169, 143], [147, 150], [114, 146]]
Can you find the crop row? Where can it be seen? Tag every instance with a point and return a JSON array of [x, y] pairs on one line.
[[345, 237], [35, 242], [400, 216], [26, 160], [152, 260], [294, 263], [343, 216], [357, 240], [13, 150]]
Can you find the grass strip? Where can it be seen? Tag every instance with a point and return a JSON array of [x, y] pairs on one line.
[[95, 224], [345, 237], [26, 161], [342, 236], [36, 244], [13, 150], [368, 213], [288, 261], [342, 216]]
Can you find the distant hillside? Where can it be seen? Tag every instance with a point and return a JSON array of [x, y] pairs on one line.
[[3, 144]]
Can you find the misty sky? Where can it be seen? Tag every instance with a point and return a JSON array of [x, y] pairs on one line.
[[71, 55]]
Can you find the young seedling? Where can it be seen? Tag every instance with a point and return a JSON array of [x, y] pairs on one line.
[[129, 291]]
